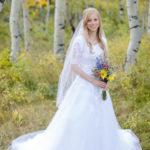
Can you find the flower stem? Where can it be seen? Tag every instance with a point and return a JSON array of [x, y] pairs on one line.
[[104, 95]]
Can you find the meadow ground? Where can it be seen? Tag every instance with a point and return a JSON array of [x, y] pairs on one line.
[[28, 111]]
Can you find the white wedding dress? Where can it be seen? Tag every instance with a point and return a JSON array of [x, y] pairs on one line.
[[83, 121]]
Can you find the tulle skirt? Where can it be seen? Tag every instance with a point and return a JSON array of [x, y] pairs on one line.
[[83, 122]]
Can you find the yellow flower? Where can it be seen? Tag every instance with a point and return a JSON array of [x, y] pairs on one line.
[[111, 77], [103, 74], [15, 114], [44, 3]]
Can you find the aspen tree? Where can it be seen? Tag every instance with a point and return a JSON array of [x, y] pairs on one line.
[[108, 9], [15, 28], [47, 15], [148, 23], [135, 33], [26, 24], [2, 2], [59, 27], [92, 3], [121, 10], [87, 3]]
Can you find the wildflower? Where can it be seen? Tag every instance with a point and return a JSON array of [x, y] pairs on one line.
[[103, 74], [111, 77]]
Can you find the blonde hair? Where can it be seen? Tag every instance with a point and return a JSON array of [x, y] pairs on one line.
[[86, 14]]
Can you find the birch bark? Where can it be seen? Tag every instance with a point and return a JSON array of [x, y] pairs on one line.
[[42, 17], [47, 15], [15, 28], [59, 28], [80, 14], [2, 2], [87, 3], [26, 24], [92, 3], [108, 9], [135, 33], [121, 11], [76, 17], [143, 20], [148, 23]]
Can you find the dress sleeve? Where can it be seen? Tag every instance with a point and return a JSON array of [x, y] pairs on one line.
[[77, 51]]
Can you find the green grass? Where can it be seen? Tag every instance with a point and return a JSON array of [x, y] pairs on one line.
[[36, 116]]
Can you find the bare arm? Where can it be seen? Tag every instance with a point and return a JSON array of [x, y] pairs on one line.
[[82, 74]]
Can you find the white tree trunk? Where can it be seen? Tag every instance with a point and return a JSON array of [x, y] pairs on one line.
[[143, 20], [2, 4], [108, 9], [42, 17], [92, 3], [87, 3], [148, 23], [121, 11], [59, 27], [47, 15], [15, 28], [76, 17], [138, 6], [135, 33], [26, 24], [80, 15]]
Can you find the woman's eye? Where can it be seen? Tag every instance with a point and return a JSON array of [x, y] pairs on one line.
[[95, 19]]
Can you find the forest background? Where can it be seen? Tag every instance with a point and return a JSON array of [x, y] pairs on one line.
[[28, 86]]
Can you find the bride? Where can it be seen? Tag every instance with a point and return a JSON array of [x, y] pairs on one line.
[[83, 120]]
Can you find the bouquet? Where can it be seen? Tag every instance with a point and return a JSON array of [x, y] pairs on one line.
[[104, 71]]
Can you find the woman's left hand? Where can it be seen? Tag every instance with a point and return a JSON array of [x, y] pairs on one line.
[[105, 88]]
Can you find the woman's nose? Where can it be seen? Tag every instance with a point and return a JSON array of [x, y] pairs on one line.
[[93, 22]]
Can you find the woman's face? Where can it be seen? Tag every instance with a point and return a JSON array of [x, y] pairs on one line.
[[93, 22]]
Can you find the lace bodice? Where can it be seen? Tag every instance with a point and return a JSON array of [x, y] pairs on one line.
[[82, 55]]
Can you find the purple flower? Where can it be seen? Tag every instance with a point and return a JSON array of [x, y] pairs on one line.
[[98, 64]]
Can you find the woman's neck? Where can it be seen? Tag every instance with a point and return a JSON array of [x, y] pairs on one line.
[[93, 37]]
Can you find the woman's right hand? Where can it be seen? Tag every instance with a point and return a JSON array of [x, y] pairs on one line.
[[99, 83], [94, 81]]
